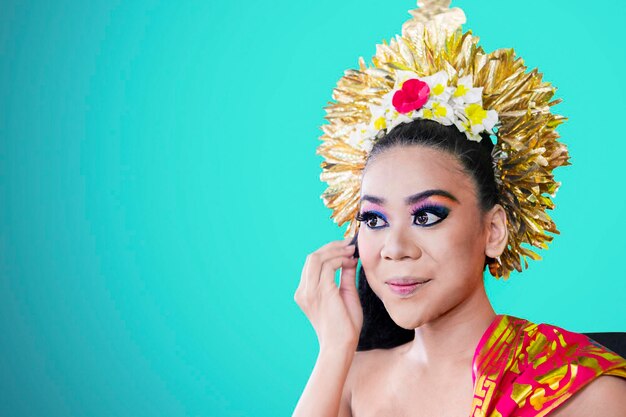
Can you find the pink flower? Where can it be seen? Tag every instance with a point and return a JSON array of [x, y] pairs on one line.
[[412, 96]]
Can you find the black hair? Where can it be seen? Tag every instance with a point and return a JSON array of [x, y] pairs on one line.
[[379, 331]]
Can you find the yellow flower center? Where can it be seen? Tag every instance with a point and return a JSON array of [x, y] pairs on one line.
[[438, 89], [380, 123], [475, 113], [460, 91], [439, 110], [428, 114]]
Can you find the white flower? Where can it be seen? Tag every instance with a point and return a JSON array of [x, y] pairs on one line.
[[382, 114], [439, 112], [439, 89], [460, 105], [401, 77], [466, 93], [491, 120], [367, 145], [386, 116], [361, 137], [474, 119], [399, 118]]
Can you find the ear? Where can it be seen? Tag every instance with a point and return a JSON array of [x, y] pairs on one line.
[[497, 231]]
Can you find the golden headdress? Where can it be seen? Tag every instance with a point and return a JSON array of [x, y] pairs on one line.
[[449, 62]]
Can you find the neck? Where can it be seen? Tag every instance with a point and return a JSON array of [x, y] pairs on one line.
[[453, 336]]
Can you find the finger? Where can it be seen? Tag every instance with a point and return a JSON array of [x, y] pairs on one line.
[[330, 267], [303, 281], [327, 274], [348, 275], [304, 274], [311, 274]]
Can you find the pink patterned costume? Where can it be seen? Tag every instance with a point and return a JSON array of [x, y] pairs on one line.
[[522, 369]]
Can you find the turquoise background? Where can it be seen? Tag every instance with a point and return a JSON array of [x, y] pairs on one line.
[[160, 191]]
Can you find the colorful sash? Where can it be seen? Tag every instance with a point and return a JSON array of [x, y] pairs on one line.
[[522, 369]]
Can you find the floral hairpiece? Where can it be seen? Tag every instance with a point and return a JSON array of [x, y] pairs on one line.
[[431, 97], [436, 71]]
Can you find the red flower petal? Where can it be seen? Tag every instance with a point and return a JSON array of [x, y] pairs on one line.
[[412, 96]]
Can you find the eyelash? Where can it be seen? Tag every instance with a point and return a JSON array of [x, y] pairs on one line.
[[439, 211]]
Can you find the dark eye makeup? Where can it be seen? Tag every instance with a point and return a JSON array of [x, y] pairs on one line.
[[423, 211], [367, 216], [425, 215]]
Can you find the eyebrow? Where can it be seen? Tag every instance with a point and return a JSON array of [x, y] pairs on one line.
[[412, 199]]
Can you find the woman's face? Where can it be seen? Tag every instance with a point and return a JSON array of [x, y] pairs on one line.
[[420, 222]]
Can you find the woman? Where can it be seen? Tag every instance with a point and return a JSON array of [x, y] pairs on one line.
[[437, 202]]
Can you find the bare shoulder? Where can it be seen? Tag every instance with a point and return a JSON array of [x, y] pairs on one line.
[[367, 366], [359, 361], [371, 363], [605, 396]]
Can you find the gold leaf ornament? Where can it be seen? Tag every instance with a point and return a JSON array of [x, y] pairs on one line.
[[526, 151]]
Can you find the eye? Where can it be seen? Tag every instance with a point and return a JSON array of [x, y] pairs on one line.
[[429, 216], [371, 219]]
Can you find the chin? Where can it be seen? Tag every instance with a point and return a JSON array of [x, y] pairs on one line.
[[408, 317]]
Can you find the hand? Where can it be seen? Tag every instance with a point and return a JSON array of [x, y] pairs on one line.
[[334, 311]]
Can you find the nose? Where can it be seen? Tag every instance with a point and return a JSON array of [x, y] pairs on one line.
[[400, 244]]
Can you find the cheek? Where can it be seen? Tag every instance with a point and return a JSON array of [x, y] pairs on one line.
[[369, 250], [463, 251]]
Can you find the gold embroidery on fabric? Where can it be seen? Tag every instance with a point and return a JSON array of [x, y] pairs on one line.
[[482, 395], [516, 346], [556, 380], [520, 392]]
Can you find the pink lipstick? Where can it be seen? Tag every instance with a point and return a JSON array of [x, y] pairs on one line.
[[406, 286]]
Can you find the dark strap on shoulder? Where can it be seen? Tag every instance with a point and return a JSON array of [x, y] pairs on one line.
[[615, 341]]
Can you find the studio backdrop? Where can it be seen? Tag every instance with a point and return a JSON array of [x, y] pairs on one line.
[[159, 192]]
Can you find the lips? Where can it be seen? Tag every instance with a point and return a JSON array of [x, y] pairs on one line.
[[406, 286], [406, 281]]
